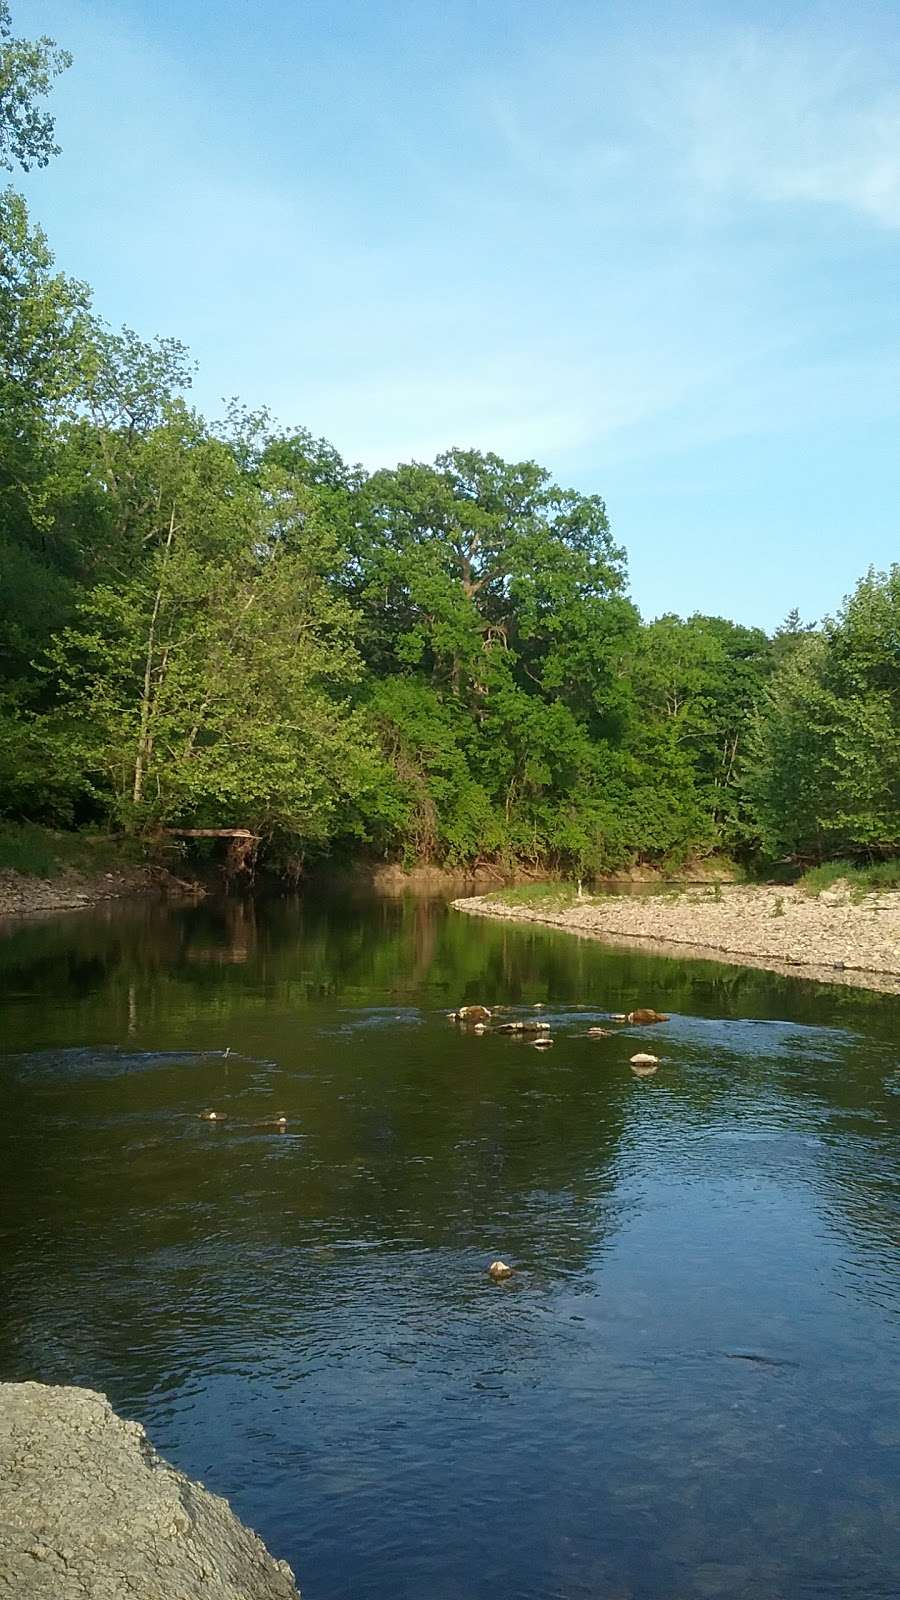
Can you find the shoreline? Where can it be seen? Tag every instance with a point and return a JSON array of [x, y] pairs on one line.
[[22, 895], [830, 938], [88, 1507]]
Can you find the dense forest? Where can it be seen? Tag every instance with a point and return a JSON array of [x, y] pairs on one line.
[[221, 623]]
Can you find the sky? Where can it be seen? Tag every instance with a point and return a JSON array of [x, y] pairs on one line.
[[655, 247]]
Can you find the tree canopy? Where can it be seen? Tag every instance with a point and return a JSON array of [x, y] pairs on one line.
[[222, 623]]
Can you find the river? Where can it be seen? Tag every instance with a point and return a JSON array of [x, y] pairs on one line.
[[690, 1387]]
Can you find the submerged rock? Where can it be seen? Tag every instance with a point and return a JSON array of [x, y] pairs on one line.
[[498, 1270], [533, 1025], [87, 1507], [542, 1043], [645, 1015]]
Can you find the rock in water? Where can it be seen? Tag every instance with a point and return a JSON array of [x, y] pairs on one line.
[[473, 1014], [644, 1065], [647, 1016], [87, 1507], [524, 1027], [499, 1270], [542, 1043]]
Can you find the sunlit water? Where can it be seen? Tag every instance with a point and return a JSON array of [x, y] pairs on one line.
[[690, 1388]]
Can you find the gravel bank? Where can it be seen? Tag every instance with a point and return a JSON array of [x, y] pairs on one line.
[[831, 937], [87, 1508], [21, 894]]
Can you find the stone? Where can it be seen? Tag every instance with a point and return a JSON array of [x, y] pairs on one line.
[[498, 1270], [644, 1064], [87, 1507]]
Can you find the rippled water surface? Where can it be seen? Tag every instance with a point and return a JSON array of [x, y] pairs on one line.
[[690, 1387]]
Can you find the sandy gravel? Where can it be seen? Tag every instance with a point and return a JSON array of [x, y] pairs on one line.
[[831, 937]]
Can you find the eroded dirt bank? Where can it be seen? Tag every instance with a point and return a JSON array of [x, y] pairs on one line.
[[832, 937], [87, 1508]]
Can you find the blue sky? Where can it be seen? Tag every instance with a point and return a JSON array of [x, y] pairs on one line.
[[655, 247]]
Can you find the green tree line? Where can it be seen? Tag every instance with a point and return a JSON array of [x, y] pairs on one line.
[[221, 623]]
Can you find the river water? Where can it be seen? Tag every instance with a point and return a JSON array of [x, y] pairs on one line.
[[689, 1389]]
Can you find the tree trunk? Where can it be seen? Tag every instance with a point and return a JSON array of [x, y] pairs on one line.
[[145, 738]]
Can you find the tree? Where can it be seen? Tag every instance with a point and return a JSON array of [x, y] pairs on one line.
[[27, 70], [494, 615], [697, 682], [823, 770], [207, 687], [44, 317]]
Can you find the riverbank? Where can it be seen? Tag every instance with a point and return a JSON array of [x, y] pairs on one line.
[[87, 1507], [835, 937], [22, 894]]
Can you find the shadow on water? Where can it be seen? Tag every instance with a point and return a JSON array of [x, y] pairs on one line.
[[689, 1387]]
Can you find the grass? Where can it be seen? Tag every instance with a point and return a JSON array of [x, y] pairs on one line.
[[44, 853], [860, 879], [547, 896]]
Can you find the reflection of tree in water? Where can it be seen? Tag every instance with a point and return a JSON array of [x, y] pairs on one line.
[[412, 1150]]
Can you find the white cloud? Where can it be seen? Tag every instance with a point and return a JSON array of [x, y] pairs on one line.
[[784, 120], [742, 115]]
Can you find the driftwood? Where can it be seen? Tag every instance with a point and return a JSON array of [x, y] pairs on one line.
[[211, 833], [240, 857]]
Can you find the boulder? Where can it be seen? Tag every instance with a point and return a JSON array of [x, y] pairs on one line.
[[87, 1507]]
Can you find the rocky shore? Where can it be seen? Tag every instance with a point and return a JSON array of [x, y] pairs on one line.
[[21, 894], [833, 937], [87, 1507]]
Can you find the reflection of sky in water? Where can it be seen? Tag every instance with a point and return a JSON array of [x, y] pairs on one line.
[[690, 1386]]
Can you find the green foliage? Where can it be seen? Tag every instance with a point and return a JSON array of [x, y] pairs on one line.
[[823, 767], [45, 853], [225, 624], [27, 70]]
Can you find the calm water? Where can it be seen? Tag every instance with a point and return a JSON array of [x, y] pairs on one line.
[[690, 1389]]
